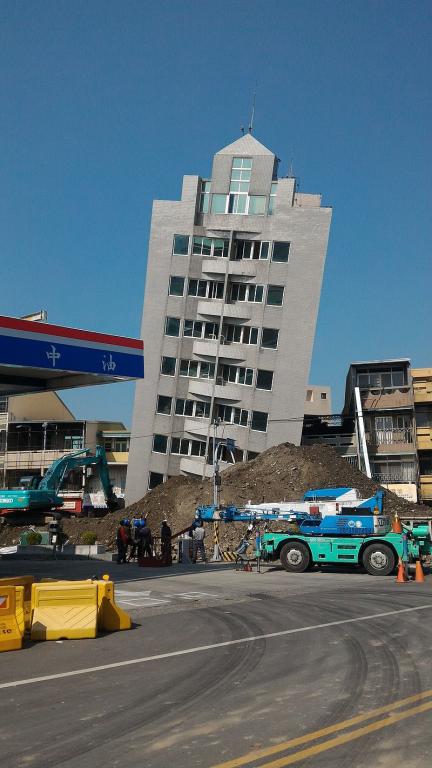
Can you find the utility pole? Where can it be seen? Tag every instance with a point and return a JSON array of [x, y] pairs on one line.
[[216, 476]]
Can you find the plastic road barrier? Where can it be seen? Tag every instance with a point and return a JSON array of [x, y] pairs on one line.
[[26, 582], [110, 617], [11, 630], [64, 611]]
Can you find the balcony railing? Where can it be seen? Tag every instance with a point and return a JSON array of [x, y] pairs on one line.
[[405, 475], [390, 436]]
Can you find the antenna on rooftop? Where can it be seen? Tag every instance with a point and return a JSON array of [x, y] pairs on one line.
[[253, 108], [242, 130]]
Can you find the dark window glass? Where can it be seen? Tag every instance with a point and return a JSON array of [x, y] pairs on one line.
[[264, 379], [206, 246], [398, 378], [160, 443], [188, 327], [179, 407], [259, 293], [175, 445], [202, 288], [264, 250], [193, 368], [269, 338], [181, 245], [188, 408], [172, 326], [192, 289], [249, 376], [259, 421], [176, 286], [184, 367], [280, 251], [275, 295], [253, 336], [211, 330], [155, 478], [195, 448], [251, 455], [168, 366], [164, 404]]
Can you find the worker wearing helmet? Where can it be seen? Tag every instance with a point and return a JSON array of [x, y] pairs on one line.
[[123, 540]]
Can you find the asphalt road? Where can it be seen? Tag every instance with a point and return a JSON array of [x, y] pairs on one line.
[[229, 669]]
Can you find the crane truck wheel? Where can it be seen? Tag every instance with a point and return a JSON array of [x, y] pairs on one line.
[[295, 556], [379, 559]]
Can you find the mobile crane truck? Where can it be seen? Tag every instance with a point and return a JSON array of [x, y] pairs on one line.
[[330, 526], [39, 495]]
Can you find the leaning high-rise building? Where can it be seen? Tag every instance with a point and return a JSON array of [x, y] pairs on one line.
[[233, 284]]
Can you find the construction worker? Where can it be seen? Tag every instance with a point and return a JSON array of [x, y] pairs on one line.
[[145, 541], [134, 535], [166, 543], [123, 540], [198, 537]]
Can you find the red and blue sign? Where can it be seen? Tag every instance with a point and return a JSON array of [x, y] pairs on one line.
[[56, 348]]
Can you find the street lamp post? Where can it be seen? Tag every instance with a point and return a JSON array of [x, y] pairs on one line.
[[44, 427]]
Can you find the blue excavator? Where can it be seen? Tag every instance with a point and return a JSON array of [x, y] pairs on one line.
[[38, 494]]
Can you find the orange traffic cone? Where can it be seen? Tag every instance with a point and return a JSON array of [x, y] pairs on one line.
[[419, 575], [396, 524], [401, 577]]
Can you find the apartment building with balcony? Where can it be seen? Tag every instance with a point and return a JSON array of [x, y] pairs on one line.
[[422, 388], [233, 283], [387, 403]]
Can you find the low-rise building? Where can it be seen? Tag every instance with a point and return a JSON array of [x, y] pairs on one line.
[[387, 412], [318, 400], [37, 429]]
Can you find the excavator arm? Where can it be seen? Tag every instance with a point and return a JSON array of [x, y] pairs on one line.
[[59, 469]]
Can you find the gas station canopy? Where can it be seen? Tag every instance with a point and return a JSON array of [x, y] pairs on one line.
[[39, 357]]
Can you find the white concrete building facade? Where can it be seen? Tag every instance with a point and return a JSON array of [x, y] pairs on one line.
[[233, 283]]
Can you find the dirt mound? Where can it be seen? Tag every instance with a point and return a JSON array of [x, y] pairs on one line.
[[283, 472]]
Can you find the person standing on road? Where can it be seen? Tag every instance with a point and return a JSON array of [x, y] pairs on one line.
[[198, 537], [166, 543], [146, 541], [122, 541]]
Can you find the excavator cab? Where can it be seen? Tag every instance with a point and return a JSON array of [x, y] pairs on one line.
[[29, 482]]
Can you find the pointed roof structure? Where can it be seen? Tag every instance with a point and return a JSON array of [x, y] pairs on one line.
[[245, 145]]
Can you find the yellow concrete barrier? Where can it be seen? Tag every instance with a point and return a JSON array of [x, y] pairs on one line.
[[26, 582], [110, 617], [64, 610], [11, 631]]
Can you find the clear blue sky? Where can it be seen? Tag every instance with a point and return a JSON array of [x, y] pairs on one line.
[[105, 105]]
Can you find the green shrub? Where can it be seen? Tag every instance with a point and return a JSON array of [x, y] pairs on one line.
[[34, 538], [89, 537]]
